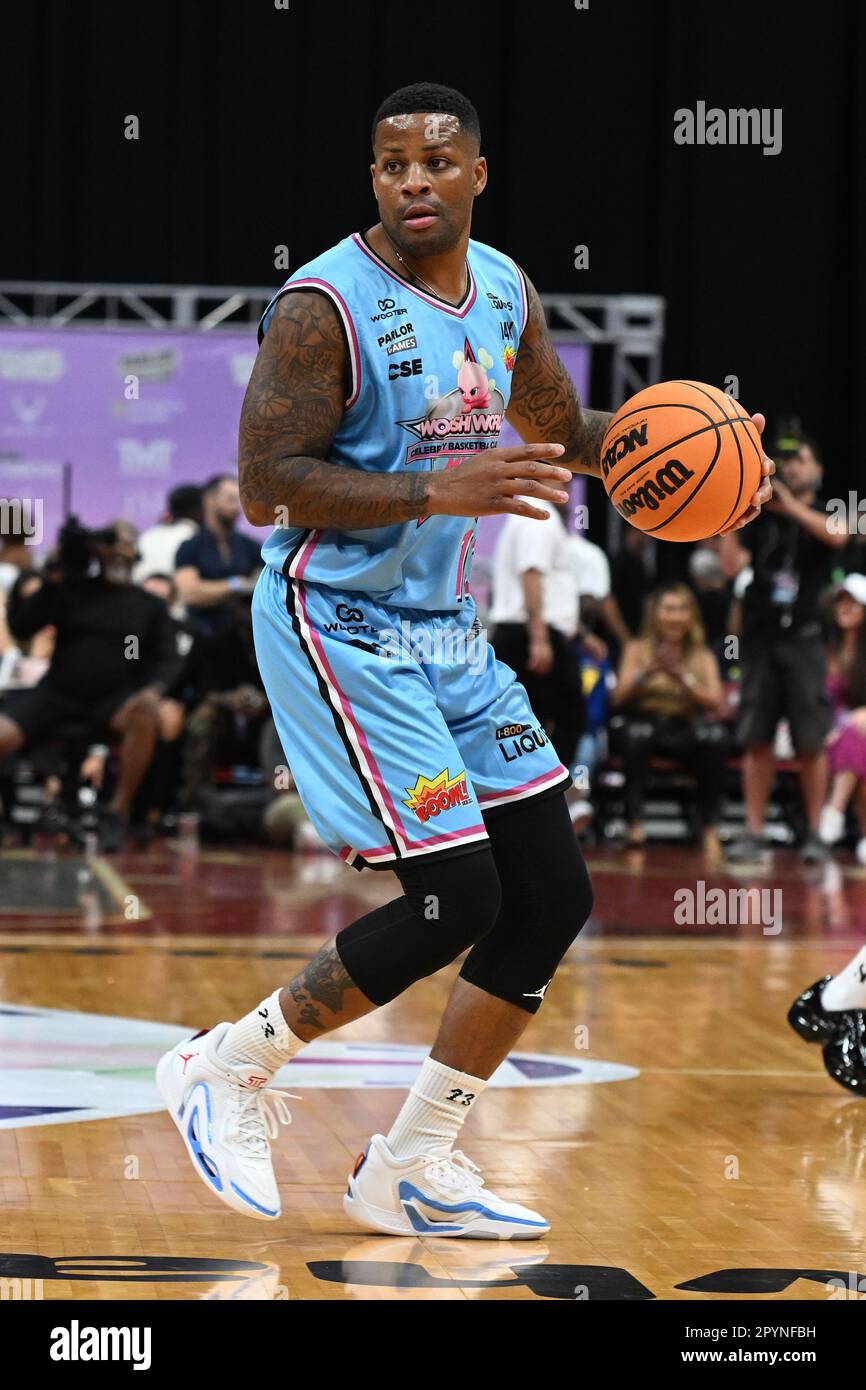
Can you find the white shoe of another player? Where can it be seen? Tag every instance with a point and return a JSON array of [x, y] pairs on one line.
[[432, 1195], [224, 1117]]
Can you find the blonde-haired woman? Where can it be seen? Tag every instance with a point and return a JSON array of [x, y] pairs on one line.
[[668, 687]]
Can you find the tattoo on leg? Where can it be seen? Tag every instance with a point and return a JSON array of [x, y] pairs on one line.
[[324, 982]]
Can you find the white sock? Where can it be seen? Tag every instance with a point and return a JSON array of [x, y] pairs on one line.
[[434, 1110], [262, 1039], [847, 990]]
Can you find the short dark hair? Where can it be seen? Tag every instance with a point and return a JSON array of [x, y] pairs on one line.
[[184, 502], [429, 96], [213, 483], [814, 446]]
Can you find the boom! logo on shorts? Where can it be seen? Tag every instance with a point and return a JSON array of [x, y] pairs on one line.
[[431, 796]]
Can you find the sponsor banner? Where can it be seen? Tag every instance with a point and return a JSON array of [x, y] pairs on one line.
[[134, 413], [137, 413]]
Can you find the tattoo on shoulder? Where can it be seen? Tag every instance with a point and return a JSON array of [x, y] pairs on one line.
[[295, 398], [544, 401]]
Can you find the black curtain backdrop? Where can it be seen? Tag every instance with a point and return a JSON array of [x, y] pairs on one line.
[[254, 128]]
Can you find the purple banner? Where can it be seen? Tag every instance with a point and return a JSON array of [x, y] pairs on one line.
[[134, 414]]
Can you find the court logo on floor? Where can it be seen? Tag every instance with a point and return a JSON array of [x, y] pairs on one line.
[[58, 1067]]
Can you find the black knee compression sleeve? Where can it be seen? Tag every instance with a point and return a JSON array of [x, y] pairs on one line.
[[546, 898], [448, 904]]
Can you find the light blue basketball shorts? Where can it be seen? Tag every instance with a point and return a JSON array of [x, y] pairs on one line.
[[400, 727]]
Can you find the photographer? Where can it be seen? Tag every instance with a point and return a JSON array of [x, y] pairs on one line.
[[783, 661], [114, 655]]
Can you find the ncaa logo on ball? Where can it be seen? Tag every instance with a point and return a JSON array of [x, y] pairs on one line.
[[623, 446]]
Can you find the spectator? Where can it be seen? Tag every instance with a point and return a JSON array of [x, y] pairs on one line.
[[633, 574], [15, 554], [158, 792], [782, 648], [535, 617], [846, 683], [16, 558], [596, 602], [159, 544], [714, 594], [23, 664], [668, 683], [230, 706], [114, 656], [219, 560]]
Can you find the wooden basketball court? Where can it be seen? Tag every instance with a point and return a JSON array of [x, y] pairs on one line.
[[711, 1156]]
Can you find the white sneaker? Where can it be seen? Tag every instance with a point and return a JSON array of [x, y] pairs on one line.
[[860, 851], [225, 1122], [432, 1195], [831, 826]]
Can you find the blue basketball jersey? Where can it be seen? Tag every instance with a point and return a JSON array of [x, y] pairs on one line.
[[429, 385]]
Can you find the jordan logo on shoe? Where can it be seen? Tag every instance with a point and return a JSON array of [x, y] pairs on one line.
[[186, 1058], [862, 972], [537, 993]]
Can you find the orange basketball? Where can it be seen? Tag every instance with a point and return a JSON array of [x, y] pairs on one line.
[[681, 460]]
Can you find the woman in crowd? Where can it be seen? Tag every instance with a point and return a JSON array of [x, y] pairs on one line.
[[846, 684], [667, 687]]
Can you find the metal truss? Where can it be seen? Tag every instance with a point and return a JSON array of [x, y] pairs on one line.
[[42, 304], [631, 325]]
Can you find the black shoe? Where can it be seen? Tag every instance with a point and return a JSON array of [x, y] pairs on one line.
[[845, 1056], [808, 1017], [746, 849], [814, 851], [112, 832]]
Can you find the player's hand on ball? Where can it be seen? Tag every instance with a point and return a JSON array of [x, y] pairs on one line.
[[496, 481], [765, 491]]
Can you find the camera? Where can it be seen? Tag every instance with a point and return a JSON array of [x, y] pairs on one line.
[[77, 546]]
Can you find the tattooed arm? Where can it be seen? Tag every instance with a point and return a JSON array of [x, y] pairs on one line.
[[544, 403], [291, 412]]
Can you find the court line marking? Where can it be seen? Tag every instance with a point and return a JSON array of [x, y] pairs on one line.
[[118, 887], [588, 952], [723, 1071]]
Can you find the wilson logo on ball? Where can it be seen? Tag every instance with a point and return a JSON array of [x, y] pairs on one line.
[[622, 446], [681, 461], [666, 483]]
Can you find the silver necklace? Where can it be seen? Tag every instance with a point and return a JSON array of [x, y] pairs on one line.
[[415, 276]]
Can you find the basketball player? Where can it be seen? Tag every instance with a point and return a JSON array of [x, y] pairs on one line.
[[369, 434]]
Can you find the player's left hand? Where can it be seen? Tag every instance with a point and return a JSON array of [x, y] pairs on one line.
[[765, 491]]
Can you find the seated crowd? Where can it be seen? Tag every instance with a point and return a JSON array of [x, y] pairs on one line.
[[130, 659], [134, 656], [756, 661]]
